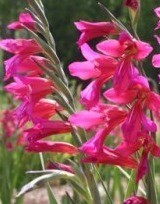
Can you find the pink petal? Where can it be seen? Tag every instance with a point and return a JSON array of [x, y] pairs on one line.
[[157, 38], [90, 96], [136, 200], [107, 65], [157, 12], [86, 119], [95, 144], [143, 50], [133, 4], [143, 166], [110, 47], [130, 131], [23, 65], [45, 128], [49, 146], [84, 70], [156, 60], [14, 25], [92, 30], [20, 46], [110, 157], [123, 76], [120, 98], [148, 124], [155, 150], [60, 166], [153, 102], [88, 53], [25, 19]]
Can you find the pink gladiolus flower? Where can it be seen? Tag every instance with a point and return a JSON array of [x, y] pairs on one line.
[[97, 66], [23, 65], [25, 20], [93, 30], [60, 166], [98, 116], [140, 121], [149, 146], [20, 46], [120, 98], [125, 46], [123, 75], [112, 118], [30, 88], [156, 60], [45, 128], [133, 4], [157, 12], [84, 70], [136, 200], [125, 49], [90, 96], [92, 118], [43, 109], [8, 125], [157, 38], [110, 157], [49, 146]]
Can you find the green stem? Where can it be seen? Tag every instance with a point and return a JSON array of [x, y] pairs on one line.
[[51, 197], [92, 185], [63, 96], [150, 181]]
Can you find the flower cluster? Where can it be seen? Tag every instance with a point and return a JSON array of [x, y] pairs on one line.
[[156, 57], [127, 106], [10, 134], [30, 87], [136, 200]]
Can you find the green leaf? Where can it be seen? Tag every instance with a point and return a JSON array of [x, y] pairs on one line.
[[45, 178], [52, 199], [132, 187]]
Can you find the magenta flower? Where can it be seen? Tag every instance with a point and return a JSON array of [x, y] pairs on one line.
[[137, 117], [149, 146], [25, 20], [20, 46], [156, 60], [92, 118], [125, 46], [30, 88], [111, 157], [44, 128], [102, 114], [8, 124], [43, 109], [93, 30], [157, 12], [125, 49], [23, 65], [136, 200], [98, 67], [60, 166], [133, 4], [49, 146]]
